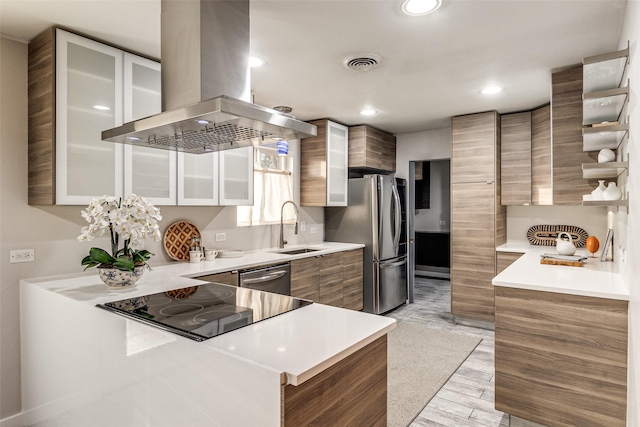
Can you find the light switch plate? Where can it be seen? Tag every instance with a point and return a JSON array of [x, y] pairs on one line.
[[221, 237]]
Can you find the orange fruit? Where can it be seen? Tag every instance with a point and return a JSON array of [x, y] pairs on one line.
[[592, 244]]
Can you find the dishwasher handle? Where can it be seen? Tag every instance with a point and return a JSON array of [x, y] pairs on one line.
[[264, 278]]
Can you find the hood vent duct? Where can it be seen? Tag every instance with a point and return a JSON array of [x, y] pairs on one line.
[[206, 85]]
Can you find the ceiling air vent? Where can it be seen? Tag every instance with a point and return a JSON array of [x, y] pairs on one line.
[[362, 62]]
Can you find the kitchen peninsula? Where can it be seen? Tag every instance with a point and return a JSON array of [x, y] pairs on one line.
[[86, 366], [561, 341]]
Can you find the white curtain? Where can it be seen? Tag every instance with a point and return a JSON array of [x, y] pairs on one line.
[[271, 189]]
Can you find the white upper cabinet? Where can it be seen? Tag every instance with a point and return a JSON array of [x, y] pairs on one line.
[[236, 177], [89, 90], [337, 164], [148, 172], [198, 179]]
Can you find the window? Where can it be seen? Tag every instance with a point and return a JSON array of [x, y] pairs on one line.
[[272, 186]]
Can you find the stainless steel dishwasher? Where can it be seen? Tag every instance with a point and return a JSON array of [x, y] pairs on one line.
[[275, 278]]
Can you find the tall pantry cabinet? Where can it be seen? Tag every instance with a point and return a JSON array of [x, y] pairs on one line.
[[478, 221]]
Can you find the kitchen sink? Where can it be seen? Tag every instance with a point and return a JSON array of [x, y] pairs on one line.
[[297, 251]]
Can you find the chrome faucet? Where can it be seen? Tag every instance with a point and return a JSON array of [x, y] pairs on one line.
[[295, 230]]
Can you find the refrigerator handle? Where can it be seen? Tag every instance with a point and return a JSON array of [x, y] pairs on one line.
[[397, 215]]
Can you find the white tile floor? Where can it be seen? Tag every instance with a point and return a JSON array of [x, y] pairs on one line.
[[466, 400]]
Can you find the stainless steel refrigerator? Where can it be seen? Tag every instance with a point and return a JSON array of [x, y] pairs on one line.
[[375, 217]]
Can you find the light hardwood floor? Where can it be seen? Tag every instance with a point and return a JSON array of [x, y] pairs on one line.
[[466, 399]]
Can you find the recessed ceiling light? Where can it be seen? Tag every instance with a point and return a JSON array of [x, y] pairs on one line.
[[491, 90], [368, 112], [255, 62], [420, 7], [101, 107]]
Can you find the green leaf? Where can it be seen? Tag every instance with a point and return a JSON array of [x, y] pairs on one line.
[[141, 256], [101, 256], [123, 263], [88, 262]]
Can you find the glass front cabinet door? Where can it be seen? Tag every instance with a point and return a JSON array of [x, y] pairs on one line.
[[89, 91], [337, 164], [148, 172]]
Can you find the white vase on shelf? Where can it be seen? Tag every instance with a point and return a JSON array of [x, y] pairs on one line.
[[606, 155], [612, 192], [597, 193]]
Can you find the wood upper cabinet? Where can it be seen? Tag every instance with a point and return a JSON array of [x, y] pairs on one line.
[[478, 221], [370, 148], [541, 179], [568, 157], [474, 150], [323, 165], [515, 158]]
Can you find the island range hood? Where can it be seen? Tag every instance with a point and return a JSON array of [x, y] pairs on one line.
[[206, 85]]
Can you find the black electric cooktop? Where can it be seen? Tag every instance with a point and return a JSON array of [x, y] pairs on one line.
[[204, 311]]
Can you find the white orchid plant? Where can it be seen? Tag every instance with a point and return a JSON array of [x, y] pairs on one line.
[[128, 222]]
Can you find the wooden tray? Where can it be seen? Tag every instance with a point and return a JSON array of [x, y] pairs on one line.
[[177, 238], [545, 235], [561, 262]]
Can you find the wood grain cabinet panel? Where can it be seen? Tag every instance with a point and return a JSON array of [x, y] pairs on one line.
[[473, 147], [505, 259], [353, 392], [331, 279], [324, 165], [226, 278], [515, 161], [568, 157], [371, 148], [352, 264], [561, 360], [541, 193], [478, 221], [305, 278]]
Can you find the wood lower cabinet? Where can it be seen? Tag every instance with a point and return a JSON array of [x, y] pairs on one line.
[[371, 148], [478, 221], [226, 278], [334, 279], [561, 360], [505, 259], [352, 265], [353, 392]]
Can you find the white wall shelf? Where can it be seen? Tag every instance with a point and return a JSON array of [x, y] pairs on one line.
[[597, 138], [605, 203], [603, 170]]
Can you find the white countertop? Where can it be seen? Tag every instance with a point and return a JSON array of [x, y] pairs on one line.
[[104, 369], [595, 279], [299, 344]]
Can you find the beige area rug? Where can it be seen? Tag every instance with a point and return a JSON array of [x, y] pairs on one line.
[[420, 361]]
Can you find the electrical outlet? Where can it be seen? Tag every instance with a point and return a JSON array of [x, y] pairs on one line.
[[221, 237], [303, 226], [442, 222], [314, 230], [22, 255]]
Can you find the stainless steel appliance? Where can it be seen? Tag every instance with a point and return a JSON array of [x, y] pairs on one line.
[[206, 85], [374, 217], [204, 311], [275, 278]]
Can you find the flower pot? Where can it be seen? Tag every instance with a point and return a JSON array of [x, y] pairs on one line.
[[115, 278]]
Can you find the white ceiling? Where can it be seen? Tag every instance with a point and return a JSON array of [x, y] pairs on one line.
[[433, 66]]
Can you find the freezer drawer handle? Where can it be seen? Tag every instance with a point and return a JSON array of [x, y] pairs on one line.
[[394, 264], [266, 277]]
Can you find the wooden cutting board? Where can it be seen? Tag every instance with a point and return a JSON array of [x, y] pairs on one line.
[[561, 262]]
